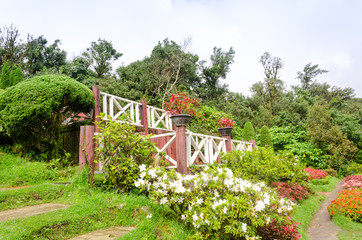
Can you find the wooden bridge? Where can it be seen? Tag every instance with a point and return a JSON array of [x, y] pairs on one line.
[[192, 148]]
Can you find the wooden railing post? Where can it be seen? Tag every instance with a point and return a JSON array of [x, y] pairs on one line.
[[97, 105], [86, 148], [227, 142], [181, 156], [144, 116], [254, 143]]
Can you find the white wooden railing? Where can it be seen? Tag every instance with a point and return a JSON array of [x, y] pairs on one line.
[[158, 118], [203, 147], [166, 146], [124, 110], [241, 146], [121, 109]]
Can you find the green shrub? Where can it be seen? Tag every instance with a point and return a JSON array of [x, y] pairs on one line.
[[355, 168], [265, 137], [5, 76], [16, 76], [309, 154], [323, 181], [331, 172], [249, 133], [262, 164], [32, 111], [122, 150]]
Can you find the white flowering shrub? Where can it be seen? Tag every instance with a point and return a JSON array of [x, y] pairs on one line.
[[215, 202]]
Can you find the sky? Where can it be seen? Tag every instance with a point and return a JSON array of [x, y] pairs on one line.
[[323, 32]]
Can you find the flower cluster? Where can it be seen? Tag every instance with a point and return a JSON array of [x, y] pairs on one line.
[[180, 103], [348, 203], [273, 231], [293, 191], [315, 173], [225, 122], [215, 202], [353, 181]]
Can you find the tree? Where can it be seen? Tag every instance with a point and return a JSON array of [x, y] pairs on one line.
[[272, 83], [101, 54], [309, 73], [211, 88], [11, 49], [328, 136], [40, 56], [16, 75], [249, 133], [5, 76], [32, 111], [265, 137]]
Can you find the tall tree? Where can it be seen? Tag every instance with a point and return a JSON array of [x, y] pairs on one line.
[[308, 75], [249, 133], [16, 75], [212, 88], [40, 55], [11, 48], [101, 54], [5, 76], [265, 137], [272, 83]]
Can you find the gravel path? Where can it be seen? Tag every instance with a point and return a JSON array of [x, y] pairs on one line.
[[321, 227]]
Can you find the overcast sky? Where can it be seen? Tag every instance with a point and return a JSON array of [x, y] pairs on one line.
[[324, 32]]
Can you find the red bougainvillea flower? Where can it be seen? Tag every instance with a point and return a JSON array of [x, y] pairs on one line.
[[225, 122], [315, 173], [180, 103]]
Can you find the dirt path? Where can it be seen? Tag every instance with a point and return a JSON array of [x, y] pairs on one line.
[[321, 227], [109, 233], [30, 211]]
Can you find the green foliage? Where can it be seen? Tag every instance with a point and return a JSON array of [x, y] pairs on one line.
[[100, 55], [265, 137], [32, 111], [5, 76], [16, 75], [121, 150], [262, 164], [309, 154], [327, 135], [282, 136], [355, 168], [249, 133], [206, 120]]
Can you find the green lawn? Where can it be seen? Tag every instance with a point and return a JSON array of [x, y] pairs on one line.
[[90, 208]]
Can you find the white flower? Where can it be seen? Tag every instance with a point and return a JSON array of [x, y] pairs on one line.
[[180, 189], [243, 227], [268, 220], [183, 217], [206, 168], [201, 215], [225, 210], [259, 206], [152, 173], [149, 216], [228, 182], [207, 222], [199, 201], [195, 217], [229, 173], [163, 200], [139, 182], [142, 175], [142, 167]]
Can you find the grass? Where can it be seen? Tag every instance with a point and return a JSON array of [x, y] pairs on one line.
[[305, 211], [332, 181], [17, 171], [350, 230], [90, 209]]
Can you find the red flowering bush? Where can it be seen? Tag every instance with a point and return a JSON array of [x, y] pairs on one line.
[[225, 122], [353, 181], [292, 191], [348, 203], [180, 103], [315, 173], [273, 231]]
